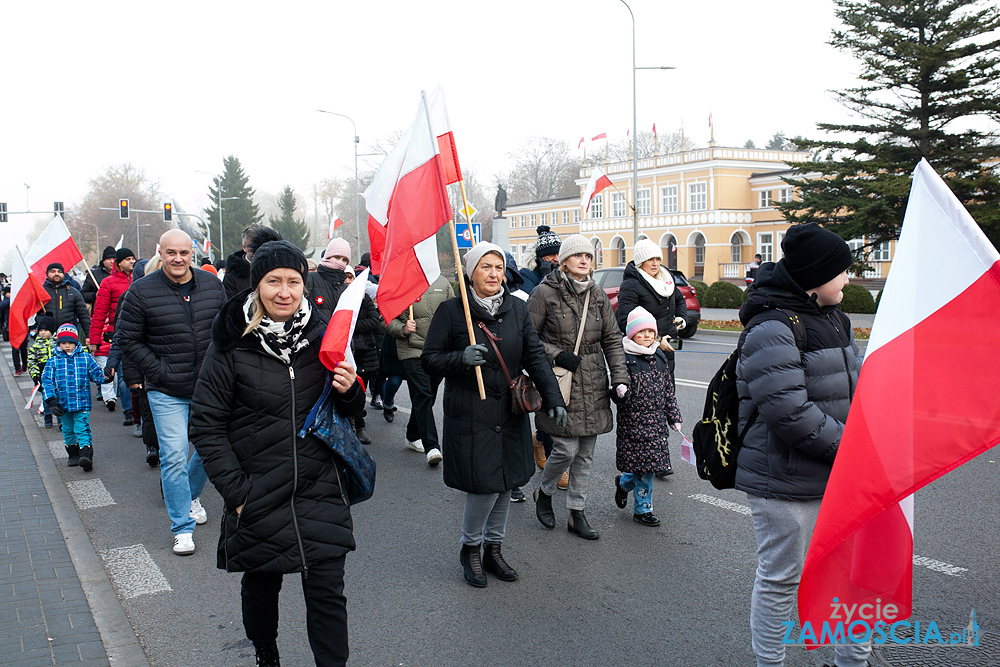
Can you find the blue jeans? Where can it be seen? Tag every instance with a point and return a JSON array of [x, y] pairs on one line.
[[783, 529], [641, 486], [389, 389], [124, 393], [76, 428], [182, 479]]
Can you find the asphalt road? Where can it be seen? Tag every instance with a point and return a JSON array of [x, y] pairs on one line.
[[674, 595]]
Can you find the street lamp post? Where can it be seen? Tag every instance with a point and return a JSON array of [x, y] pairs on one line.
[[222, 243], [635, 136], [97, 237], [357, 207]]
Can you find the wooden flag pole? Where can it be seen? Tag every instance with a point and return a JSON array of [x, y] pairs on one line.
[[465, 299]]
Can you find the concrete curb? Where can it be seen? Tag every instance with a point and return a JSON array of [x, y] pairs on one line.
[[119, 639]]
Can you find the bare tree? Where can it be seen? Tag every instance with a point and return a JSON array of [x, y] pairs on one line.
[[647, 146], [544, 168]]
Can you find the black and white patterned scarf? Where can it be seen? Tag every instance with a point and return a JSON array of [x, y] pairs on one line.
[[281, 339]]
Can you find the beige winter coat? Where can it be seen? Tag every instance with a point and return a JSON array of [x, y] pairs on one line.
[[555, 310], [409, 346]]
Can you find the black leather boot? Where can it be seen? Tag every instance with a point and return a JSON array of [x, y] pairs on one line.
[[87, 458], [578, 524], [73, 451], [494, 563], [543, 509], [472, 565], [267, 654]]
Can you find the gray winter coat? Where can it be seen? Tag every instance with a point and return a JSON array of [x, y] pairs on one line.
[[555, 310], [803, 397]]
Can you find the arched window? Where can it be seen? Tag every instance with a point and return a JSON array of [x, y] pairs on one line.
[[668, 245], [619, 246], [699, 250], [736, 249], [598, 252]]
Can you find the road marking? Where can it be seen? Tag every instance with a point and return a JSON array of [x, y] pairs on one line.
[[692, 383], [57, 448], [90, 493], [709, 342], [920, 561], [133, 571]]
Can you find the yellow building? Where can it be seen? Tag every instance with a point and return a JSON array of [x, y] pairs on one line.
[[710, 210]]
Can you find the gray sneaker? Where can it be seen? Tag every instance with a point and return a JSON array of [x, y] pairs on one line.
[[137, 430]]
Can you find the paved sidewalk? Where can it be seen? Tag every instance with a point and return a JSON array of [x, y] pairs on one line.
[[54, 594]]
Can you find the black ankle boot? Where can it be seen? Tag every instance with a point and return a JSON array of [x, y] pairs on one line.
[[494, 563], [578, 524], [267, 654], [73, 452], [472, 565], [543, 509], [87, 458]]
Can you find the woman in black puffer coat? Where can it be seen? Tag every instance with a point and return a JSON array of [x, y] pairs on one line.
[[286, 510]]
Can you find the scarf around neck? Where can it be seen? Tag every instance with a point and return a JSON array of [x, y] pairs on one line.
[[281, 339], [662, 283], [632, 347], [491, 304]]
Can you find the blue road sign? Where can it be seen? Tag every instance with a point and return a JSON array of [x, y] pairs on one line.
[[465, 239]]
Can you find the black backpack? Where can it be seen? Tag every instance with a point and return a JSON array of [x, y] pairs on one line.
[[716, 439]]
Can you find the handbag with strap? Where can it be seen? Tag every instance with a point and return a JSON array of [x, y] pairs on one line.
[[564, 376], [524, 396], [355, 465]]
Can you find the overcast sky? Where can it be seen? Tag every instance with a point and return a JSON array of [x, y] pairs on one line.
[[174, 87]]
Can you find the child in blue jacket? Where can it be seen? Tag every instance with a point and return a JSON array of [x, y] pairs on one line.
[[66, 391]]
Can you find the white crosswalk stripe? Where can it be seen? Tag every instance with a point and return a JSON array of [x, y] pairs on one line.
[[133, 571], [89, 493]]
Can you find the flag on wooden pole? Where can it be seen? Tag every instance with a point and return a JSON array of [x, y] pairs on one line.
[[27, 297]]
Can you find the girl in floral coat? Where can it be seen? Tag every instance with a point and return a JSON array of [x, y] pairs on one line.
[[644, 413]]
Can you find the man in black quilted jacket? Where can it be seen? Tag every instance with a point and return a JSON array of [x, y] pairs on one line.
[[164, 331], [801, 398]]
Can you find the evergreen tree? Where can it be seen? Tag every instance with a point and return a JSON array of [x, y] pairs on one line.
[[930, 72], [237, 213], [294, 231]]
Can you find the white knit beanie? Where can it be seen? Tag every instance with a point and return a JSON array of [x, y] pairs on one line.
[[574, 245], [479, 251], [645, 249]]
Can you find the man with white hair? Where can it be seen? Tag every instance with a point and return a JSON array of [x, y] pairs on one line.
[[165, 330]]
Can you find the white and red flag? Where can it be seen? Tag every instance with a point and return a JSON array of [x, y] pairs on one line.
[[924, 405], [579, 145], [598, 181], [602, 135], [27, 297], [55, 244], [206, 245], [333, 226], [654, 130], [336, 345], [407, 203]]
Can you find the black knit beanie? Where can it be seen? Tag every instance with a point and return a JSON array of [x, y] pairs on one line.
[[55, 265], [548, 242], [813, 255], [48, 323], [123, 253], [109, 253], [277, 255]]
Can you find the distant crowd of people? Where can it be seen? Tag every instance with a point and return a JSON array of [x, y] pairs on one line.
[[217, 369]]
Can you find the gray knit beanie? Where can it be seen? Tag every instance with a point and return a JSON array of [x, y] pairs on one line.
[[573, 245]]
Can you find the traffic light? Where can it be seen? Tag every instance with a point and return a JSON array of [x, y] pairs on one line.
[[3, 212], [123, 209], [168, 211]]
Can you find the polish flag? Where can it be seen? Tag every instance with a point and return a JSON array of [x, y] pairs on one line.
[[654, 130], [407, 199], [27, 297], [333, 226], [120, 243], [205, 246], [924, 404], [598, 181], [54, 245], [580, 144], [336, 345], [441, 129], [602, 135], [710, 119]]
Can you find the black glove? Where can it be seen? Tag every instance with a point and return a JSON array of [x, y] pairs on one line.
[[568, 361], [109, 374], [54, 406], [560, 415], [474, 355]]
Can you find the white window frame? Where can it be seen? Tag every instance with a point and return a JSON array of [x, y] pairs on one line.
[[698, 196], [545, 218], [699, 250], [597, 207], [598, 253], [565, 217], [643, 201], [764, 199], [617, 205], [576, 216], [619, 248], [765, 246], [533, 220], [784, 195], [882, 252], [736, 249], [669, 199]]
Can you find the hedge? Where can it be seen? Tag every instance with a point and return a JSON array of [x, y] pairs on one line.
[[857, 300], [722, 294], [700, 289]]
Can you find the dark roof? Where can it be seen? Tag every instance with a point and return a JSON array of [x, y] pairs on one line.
[[544, 201]]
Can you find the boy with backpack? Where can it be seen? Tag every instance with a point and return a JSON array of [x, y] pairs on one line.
[[39, 354], [66, 392], [794, 396]]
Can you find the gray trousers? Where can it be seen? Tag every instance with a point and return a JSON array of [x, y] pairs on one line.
[[577, 454], [485, 518], [783, 529]]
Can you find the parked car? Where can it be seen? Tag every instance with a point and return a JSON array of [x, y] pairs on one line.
[[610, 280]]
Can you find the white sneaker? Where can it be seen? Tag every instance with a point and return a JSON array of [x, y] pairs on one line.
[[184, 544], [434, 457], [198, 512], [415, 445]]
